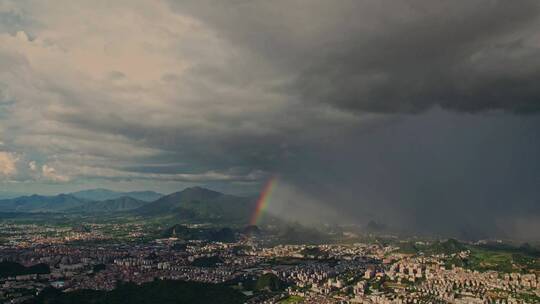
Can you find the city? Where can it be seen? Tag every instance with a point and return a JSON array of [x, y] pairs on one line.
[[37, 258]]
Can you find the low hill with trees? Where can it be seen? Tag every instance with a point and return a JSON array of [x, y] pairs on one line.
[[163, 292]]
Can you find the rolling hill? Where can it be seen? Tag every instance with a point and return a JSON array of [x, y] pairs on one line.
[[199, 203], [163, 292], [209, 234], [9, 194], [124, 203], [195, 203], [106, 194], [40, 203], [67, 203]]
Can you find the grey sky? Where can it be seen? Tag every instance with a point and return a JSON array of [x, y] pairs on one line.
[[422, 109]]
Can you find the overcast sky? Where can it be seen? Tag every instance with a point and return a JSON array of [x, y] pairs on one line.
[[417, 113]]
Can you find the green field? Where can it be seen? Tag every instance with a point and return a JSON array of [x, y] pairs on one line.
[[292, 300], [497, 257], [501, 260]]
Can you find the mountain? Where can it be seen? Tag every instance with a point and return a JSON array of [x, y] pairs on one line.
[[147, 196], [200, 203], [8, 194], [123, 203], [158, 291], [12, 269], [269, 282], [96, 194], [251, 230], [209, 234], [68, 203], [449, 246], [191, 203], [106, 194], [40, 203], [373, 226]]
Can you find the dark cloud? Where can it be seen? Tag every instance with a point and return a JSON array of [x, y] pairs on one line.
[[384, 56], [461, 174]]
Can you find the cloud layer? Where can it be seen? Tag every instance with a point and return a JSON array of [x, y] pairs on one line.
[[384, 56], [7, 164], [330, 96]]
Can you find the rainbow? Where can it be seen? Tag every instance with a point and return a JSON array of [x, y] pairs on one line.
[[262, 202]]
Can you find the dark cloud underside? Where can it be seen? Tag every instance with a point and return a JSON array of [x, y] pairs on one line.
[[385, 56]]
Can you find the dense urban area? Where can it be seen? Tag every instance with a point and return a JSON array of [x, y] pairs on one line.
[[201, 263]]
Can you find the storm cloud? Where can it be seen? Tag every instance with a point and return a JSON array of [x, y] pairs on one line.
[[384, 56], [420, 114]]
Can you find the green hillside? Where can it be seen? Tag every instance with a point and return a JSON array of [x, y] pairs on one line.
[[447, 247], [225, 235], [269, 282], [106, 194], [163, 292], [40, 203], [124, 203], [13, 269]]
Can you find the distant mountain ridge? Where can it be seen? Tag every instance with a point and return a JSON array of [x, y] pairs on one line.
[[200, 203], [123, 203], [9, 194], [210, 234], [67, 203], [41, 203], [195, 203], [101, 194]]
